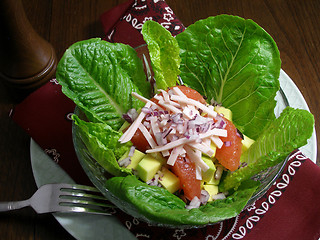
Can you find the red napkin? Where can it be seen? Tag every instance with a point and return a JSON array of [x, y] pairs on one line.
[[289, 210]]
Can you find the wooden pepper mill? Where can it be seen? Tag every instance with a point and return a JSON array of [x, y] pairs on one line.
[[27, 61]]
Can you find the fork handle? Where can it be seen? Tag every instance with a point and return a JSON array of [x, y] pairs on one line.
[[9, 206]]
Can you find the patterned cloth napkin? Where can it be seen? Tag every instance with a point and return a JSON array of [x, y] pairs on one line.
[[289, 210]]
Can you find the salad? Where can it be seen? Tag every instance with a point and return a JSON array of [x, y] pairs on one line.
[[186, 155]]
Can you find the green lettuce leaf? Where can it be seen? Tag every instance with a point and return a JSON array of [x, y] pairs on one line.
[[288, 132], [158, 205], [102, 143], [99, 77], [234, 62], [164, 54]]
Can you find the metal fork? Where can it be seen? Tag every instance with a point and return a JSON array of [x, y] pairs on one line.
[[62, 197]]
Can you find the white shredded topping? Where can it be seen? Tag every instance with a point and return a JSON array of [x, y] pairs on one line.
[[126, 137], [174, 126], [190, 101], [147, 135]]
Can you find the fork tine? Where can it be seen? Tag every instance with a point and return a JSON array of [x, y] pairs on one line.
[[80, 198], [86, 209], [81, 190], [77, 200], [80, 187], [83, 195], [80, 193], [64, 198]]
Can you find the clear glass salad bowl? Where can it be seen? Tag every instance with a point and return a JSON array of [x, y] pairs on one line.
[[99, 176]]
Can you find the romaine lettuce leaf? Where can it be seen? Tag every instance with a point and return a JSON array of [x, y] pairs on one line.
[[160, 206], [164, 54], [288, 132], [233, 62], [99, 77], [102, 143]]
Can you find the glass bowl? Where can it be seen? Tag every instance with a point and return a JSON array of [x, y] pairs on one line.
[[98, 175]]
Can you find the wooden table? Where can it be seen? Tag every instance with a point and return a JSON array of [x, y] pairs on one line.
[[293, 24]]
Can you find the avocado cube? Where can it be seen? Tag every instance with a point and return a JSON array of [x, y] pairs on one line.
[[169, 181], [224, 111], [159, 157], [207, 175], [135, 158], [246, 143], [211, 189], [148, 167]]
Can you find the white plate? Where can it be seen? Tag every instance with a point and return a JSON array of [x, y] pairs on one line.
[[296, 100], [85, 227]]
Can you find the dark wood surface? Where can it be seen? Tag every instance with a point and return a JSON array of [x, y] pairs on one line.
[[293, 24]]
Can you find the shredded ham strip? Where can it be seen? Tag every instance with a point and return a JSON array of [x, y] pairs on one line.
[[177, 127], [143, 99], [204, 108], [126, 137], [172, 144], [147, 135], [174, 155]]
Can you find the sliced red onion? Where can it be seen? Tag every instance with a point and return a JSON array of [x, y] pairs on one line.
[[146, 110], [163, 122], [131, 152], [146, 124], [222, 124], [159, 138], [173, 125], [227, 143], [195, 203], [155, 180], [191, 124], [187, 136], [170, 92], [204, 197], [176, 118], [164, 141], [127, 118], [131, 115], [204, 127], [166, 133], [200, 120], [181, 128], [172, 138], [124, 162], [244, 164], [219, 196]]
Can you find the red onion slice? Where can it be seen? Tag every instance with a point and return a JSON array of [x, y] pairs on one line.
[[204, 197], [195, 203]]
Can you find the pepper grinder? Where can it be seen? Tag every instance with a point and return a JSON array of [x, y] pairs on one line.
[[27, 61]]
